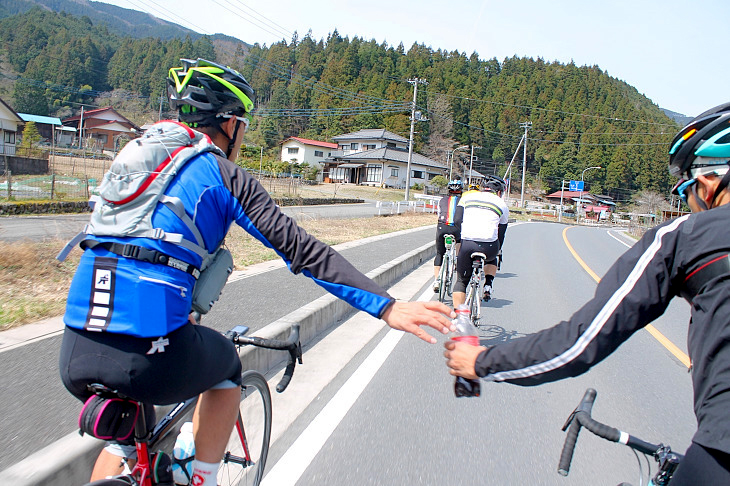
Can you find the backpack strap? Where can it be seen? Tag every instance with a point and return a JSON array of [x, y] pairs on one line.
[[177, 207], [143, 254]]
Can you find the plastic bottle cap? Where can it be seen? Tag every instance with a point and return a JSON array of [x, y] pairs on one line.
[[186, 428]]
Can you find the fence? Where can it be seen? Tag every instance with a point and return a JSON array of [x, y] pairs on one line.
[[47, 187]]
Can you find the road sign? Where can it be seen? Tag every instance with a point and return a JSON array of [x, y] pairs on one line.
[[575, 186]]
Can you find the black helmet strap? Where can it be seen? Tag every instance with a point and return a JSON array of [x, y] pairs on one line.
[[231, 140]]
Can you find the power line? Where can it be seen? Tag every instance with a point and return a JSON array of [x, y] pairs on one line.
[[555, 111]]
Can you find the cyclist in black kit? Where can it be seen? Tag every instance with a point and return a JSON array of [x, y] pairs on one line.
[[689, 257], [449, 215]]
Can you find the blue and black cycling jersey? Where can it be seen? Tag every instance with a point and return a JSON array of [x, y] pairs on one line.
[[116, 294]]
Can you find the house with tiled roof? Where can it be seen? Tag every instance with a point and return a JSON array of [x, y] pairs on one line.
[[297, 150], [377, 157], [103, 127]]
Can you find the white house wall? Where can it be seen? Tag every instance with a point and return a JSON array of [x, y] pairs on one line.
[[305, 153]]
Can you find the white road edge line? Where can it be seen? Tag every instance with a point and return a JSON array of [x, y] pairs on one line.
[[617, 239], [289, 469]]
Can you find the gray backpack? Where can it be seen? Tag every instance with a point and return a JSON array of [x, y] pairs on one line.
[[129, 193]]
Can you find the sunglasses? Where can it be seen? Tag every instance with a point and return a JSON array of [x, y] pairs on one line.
[[242, 119], [681, 187]]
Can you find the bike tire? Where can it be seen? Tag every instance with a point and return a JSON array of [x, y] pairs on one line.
[[475, 303], [450, 277], [443, 279], [248, 447]]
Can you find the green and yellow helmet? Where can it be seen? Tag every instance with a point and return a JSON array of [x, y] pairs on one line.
[[202, 90]]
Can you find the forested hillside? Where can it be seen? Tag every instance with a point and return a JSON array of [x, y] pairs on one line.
[[120, 21], [581, 116]]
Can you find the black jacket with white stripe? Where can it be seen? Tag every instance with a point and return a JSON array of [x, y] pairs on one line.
[[636, 290]]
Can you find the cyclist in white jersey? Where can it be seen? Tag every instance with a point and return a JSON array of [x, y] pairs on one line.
[[483, 227]]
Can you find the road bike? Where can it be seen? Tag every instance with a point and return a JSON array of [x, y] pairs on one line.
[[667, 460], [448, 267], [475, 289], [245, 457]]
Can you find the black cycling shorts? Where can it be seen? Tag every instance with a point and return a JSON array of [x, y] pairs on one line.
[[441, 230], [160, 371], [464, 262], [702, 466]]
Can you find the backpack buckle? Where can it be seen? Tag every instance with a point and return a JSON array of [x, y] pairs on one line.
[[130, 251]]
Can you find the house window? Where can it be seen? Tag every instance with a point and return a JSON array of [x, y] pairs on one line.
[[394, 172], [339, 174], [318, 153], [293, 150], [417, 174], [343, 147], [368, 147], [9, 137], [431, 176], [391, 145], [354, 146], [373, 173]]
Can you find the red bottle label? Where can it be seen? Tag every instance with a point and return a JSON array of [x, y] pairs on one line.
[[473, 340]]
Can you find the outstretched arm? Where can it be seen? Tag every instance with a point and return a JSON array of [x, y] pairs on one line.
[[410, 316]]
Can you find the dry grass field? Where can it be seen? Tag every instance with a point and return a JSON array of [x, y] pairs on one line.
[[33, 284]]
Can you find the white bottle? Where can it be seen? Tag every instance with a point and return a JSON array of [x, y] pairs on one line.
[[183, 455]]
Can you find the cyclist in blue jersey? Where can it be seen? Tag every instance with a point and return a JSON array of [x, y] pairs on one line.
[[127, 314], [449, 223], [687, 256]]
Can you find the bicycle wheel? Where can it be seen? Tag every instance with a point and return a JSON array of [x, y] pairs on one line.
[[248, 447], [443, 280], [474, 303], [449, 275]]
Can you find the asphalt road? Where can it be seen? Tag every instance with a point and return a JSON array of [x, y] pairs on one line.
[[406, 427], [37, 409]]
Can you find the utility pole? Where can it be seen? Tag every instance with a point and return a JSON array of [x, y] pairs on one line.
[[81, 126], [415, 82], [526, 126], [471, 161]]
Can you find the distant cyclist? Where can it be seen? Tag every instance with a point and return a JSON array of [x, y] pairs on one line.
[[689, 257], [449, 223], [127, 314], [483, 228]]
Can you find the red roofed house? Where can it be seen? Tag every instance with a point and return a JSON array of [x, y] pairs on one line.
[[297, 150], [103, 128]]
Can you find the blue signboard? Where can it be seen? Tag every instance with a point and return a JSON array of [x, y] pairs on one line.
[[575, 186]]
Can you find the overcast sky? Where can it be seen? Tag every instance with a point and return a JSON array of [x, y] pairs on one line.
[[669, 50]]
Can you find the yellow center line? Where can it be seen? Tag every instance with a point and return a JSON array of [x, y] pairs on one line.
[[663, 340]]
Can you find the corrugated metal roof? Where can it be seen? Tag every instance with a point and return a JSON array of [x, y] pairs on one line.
[[47, 120]]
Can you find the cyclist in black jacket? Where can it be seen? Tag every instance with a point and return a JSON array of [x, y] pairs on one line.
[[687, 256]]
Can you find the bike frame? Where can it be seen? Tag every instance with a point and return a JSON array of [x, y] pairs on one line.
[[476, 286], [447, 267], [142, 470], [141, 473]]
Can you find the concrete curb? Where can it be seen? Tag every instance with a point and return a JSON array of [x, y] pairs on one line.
[[69, 460]]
